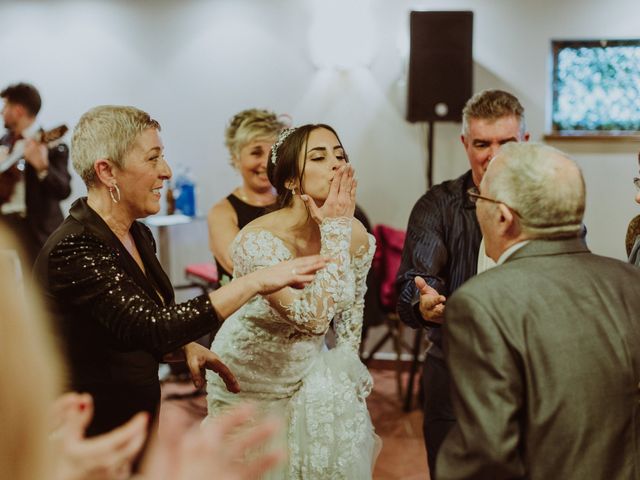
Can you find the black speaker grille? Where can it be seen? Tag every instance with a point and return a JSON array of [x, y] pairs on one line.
[[440, 65]]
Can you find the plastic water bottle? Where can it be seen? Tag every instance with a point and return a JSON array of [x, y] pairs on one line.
[[185, 193], [170, 200]]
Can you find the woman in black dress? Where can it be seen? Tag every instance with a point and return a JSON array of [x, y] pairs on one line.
[[103, 282]]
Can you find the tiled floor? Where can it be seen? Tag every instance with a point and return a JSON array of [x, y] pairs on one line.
[[403, 455]]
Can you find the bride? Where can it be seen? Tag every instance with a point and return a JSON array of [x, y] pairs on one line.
[[274, 344]]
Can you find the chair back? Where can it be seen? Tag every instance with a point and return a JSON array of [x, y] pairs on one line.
[[386, 262]]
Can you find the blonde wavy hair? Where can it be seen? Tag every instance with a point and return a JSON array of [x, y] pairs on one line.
[[248, 126]]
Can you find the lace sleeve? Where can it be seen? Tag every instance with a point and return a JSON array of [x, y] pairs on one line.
[[348, 324], [312, 308]]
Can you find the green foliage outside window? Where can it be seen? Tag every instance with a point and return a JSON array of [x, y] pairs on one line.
[[596, 86]]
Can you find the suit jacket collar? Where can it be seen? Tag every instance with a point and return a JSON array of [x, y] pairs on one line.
[[545, 248], [155, 281]]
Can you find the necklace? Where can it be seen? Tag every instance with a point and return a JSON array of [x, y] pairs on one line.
[[259, 201]]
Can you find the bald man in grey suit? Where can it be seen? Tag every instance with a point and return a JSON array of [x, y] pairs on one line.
[[544, 349]]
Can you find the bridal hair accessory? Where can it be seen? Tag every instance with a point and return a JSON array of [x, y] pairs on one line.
[[281, 138]]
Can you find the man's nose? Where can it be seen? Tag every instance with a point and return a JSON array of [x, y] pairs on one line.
[[493, 151]]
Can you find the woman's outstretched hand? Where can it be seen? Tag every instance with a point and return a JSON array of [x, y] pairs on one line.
[[341, 201], [294, 273]]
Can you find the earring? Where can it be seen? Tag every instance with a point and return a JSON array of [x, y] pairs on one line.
[[293, 191], [113, 198]]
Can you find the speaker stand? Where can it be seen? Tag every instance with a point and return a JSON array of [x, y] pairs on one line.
[[429, 166]]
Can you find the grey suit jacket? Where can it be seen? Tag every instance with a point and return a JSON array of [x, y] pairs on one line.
[[544, 353]]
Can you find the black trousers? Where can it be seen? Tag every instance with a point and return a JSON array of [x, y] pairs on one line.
[[438, 411]]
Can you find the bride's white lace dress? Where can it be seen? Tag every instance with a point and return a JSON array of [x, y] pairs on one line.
[[278, 357]]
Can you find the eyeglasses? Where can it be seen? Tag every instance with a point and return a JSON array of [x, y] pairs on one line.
[[474, 194], [636, 182]]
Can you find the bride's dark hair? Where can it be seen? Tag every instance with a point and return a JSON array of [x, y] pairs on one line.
[[286, 166]]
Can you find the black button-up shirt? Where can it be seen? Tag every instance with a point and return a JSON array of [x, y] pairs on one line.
[[443, 238]]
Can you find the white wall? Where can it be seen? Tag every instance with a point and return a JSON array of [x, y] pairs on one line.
[[193, 64]]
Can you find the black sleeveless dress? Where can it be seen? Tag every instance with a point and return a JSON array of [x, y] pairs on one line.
[[246, 213]]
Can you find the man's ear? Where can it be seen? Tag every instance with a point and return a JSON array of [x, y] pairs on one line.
[[507, 223], [21, 110], [105, 172], [463, 140]]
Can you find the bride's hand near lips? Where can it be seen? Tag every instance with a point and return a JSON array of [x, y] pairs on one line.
[[341, 201]]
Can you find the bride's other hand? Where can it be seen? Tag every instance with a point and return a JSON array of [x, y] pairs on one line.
[[294, 273], [341, 201]]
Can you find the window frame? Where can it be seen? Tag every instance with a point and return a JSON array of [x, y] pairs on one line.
[[601, 134]]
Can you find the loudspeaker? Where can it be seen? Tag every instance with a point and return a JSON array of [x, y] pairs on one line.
[[440, 65]]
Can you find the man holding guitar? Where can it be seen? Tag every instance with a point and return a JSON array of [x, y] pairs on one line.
[[33, 171]]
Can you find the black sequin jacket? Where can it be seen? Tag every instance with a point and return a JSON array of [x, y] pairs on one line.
[[114, 320]]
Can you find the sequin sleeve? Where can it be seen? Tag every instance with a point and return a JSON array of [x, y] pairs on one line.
[[85, 275], [312, 308]]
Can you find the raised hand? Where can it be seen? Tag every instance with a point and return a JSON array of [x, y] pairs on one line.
[[200, 358], [108, 456], [224, 447], [295, 273], [431, 302], [341, 201]]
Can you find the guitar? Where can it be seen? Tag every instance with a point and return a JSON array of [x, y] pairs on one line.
[[49, 137], [12, 164]]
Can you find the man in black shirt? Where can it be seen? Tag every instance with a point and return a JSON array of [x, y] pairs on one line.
[[442, 244], [31, 189]]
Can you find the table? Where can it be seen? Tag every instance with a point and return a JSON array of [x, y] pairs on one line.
[[162, 223]]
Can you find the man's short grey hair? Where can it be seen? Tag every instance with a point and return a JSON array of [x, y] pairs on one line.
[[106, 131], [543, 185], [491, 105]]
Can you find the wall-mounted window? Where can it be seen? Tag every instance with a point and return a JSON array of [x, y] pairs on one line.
[[596, 87]]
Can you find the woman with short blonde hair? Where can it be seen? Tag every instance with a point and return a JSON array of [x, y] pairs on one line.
[[248, 138]]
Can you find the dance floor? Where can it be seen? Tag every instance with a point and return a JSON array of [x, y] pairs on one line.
[[402, 457]]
